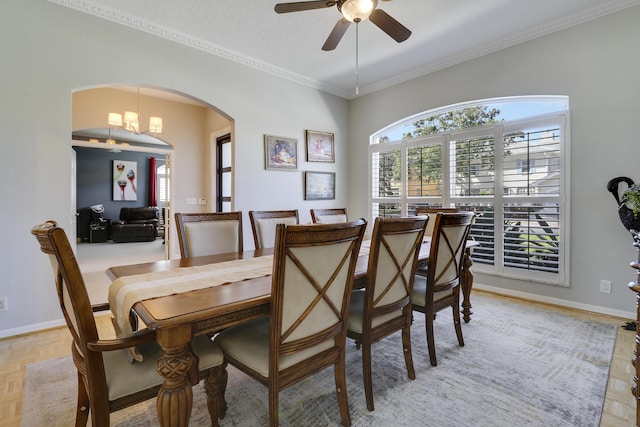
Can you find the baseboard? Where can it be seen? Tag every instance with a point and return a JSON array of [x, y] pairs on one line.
[[37, 327], [554, 301]]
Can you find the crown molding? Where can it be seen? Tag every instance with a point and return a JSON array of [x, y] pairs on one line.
[[149, 27], [140, 24], [603, 9]]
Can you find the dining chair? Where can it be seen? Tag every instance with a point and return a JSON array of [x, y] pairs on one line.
[[263, 225], [329, 216], [209, 233], [438, 286], [384, 305], [427, 211], [313, 268], [107, 381]]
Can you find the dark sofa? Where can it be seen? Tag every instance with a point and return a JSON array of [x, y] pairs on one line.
[[135, 225]]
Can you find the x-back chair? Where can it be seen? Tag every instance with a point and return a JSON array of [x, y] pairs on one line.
[[107, 381], [384, 306], [438, 286], [313, 270]]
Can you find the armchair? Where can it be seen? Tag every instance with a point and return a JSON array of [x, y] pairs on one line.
[[107, 382]]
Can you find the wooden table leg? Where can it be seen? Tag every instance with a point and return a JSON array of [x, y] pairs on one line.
[[466, 282], [175, 397]]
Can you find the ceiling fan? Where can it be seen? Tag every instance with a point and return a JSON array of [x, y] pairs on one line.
[[352, 11]]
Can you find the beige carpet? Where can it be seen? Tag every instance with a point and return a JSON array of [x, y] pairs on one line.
[[520, 367], [95, 258]]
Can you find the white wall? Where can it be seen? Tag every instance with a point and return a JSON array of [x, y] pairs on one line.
[[50, 51], [596, 64]]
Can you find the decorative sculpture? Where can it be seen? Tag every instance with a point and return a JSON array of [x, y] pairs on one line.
[[629, 219]]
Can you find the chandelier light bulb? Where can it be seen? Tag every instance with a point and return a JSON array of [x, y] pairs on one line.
[[357, 10], [155, 124]]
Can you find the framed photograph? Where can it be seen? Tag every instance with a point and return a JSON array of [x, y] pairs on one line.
[[320, 147], [280, 153], [125, 180], [319, 185]]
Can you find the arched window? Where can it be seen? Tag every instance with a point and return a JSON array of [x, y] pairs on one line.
[[505, 159]]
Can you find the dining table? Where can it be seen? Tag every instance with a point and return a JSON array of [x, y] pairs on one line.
[[179, 316]]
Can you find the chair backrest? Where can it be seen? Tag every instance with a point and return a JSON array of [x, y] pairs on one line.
[[423, 210], [263, 225], [209, 233], [329, 216], [393, 257], [446, 255], [313, 268], [73, 299]]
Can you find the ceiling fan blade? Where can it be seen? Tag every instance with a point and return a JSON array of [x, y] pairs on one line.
[[299, 6], [386, 23], [336, 34]]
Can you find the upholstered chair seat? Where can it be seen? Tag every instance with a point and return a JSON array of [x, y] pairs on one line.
[[249, 344], [124, 379], [420, 292], [356, 313]]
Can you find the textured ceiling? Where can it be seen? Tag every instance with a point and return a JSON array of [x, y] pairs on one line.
[[444, 32]]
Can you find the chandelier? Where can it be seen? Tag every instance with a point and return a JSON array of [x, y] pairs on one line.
[[130, 121]]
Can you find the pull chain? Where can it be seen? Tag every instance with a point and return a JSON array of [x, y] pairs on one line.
[[357, 77]]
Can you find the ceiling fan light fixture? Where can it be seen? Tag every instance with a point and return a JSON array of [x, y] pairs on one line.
[[357, 10]]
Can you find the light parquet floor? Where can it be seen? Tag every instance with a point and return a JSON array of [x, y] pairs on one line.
[[17, 352]]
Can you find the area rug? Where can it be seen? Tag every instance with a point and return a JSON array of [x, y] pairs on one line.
[[520, 366]]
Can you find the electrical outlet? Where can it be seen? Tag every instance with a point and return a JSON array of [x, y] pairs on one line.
[[3, 304], [605, 286]]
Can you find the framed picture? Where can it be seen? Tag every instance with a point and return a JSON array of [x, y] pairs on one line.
[[319, 185], [280, 153], [125, 180], [320, 147]]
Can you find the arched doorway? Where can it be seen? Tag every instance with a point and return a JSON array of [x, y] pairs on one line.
[[188, 125]]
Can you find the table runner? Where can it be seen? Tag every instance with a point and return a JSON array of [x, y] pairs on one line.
[[124, 292]]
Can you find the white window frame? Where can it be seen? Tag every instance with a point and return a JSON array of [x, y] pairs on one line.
[[560, 119]]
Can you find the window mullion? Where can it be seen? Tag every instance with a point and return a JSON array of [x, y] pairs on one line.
[[404, 174], [446, 170], [498, 207]]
